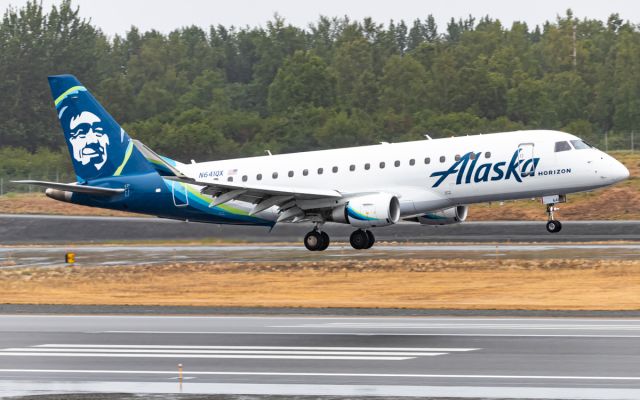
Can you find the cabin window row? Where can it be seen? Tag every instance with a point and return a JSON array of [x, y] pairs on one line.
[[352, 167]]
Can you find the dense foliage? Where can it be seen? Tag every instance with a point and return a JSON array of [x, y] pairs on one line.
[[226, 91]]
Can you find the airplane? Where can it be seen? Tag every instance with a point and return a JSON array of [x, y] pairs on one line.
[[430, 182]]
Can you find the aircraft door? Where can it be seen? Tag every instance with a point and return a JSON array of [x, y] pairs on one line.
[[525, 159], [179, 191]]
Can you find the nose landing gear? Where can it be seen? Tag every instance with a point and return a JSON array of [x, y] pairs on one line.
[[553, 225]]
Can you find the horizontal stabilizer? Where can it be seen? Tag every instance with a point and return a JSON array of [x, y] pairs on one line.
[[71, 187], [161, 164]]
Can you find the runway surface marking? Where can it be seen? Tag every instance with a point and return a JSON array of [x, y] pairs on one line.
[[376, 349], [431, 325], [570, 393], [227, 352], [465, 320], [330, 374], [365, 334]]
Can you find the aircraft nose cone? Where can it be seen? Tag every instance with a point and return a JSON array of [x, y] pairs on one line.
[[619, 171]]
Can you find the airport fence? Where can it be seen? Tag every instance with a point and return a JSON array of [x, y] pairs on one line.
[[7, 186]]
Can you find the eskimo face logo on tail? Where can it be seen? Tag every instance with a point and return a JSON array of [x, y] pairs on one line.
[[97, 144], [89, 141], [466, 169]]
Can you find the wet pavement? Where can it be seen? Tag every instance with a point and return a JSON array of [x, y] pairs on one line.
[[49, 256], [48, 229]]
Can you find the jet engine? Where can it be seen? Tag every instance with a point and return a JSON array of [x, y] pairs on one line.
[[379, 209], [452, 215]]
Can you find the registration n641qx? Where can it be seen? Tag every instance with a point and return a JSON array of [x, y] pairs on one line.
[[430, 182]]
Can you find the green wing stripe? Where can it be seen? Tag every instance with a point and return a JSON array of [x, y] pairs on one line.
[[68, 92], [126, 158]]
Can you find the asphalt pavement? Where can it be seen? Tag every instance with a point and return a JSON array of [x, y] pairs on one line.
[[28, 229], [115, 255], [550, 358]]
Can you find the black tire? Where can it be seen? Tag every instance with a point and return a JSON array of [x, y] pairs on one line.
[[372, 239], [359, 239], [558, 226], [325, 241], [554, 226], [313, 241]]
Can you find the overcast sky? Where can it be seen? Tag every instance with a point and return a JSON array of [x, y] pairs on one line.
[[116, 16]]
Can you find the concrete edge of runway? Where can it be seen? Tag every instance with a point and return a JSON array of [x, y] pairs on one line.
[[375, 312]]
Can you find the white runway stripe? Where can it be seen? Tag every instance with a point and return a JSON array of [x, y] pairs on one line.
[[235, 356], [182, 351], [559, 327], [355, 333], [365, 375], [142, 346]]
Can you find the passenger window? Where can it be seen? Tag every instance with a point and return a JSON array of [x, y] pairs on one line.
[[244, 178], [367, 166], [352, 167], [305, 172], [472, 156], [274, 175], [290, 174], [427, 160], [397, 163], [487, 154], [382, 164], [562, 146], [334, 169], [259, 177], [457, 158], [230, 179], [580, 145], [412, 162], [442, 159], [320, 170]]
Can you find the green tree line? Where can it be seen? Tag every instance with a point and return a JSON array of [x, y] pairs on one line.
[[220, 92]]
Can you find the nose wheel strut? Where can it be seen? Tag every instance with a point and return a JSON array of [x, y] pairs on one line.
[[553, 225]]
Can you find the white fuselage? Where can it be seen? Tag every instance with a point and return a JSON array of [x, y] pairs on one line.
[[430, 175]]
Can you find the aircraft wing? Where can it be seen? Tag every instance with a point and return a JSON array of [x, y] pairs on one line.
[[264, 196], [71, 187], [290, 201]]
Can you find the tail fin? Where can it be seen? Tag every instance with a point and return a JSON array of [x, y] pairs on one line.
[[99, 147]]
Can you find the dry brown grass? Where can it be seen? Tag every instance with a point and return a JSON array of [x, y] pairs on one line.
[[418, 283]]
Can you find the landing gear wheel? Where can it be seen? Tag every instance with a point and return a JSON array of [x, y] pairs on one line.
[[313, 241], [372, 239], [316, 241], [359, 239], [325, 241], [554, 226]]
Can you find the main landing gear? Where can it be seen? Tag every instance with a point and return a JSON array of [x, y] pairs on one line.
[[553, 225], [317, 240], [361, 240]]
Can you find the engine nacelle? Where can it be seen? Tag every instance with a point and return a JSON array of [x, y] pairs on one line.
[[380, 209], [453, 215]]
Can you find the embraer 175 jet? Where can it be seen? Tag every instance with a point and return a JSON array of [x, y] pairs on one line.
[[430, 182]]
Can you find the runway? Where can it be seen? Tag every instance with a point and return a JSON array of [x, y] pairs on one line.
[[92, 255], [557, 358], [30, 229]]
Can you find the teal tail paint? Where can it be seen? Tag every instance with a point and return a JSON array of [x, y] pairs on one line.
[[99, 147]]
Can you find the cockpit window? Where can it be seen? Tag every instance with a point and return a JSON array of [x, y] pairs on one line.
[[580, 144], [562, 146]]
